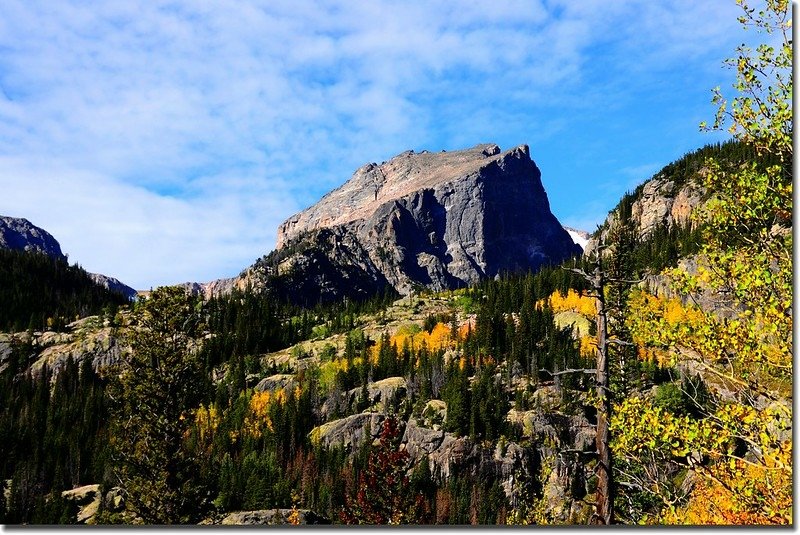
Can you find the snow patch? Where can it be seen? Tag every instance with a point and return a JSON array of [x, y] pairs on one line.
[[578, 238]]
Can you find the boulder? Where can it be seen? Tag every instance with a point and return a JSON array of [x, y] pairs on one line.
[[273, 517], [87, 498], [350, 431], [276, 382], [420, 440]]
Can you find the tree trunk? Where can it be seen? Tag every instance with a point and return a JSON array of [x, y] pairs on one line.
[[604, 496]]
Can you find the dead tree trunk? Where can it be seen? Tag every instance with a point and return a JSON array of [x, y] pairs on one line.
[[604, 496]]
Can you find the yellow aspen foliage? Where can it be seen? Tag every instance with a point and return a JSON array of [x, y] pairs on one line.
[[206, 420], [440, 337], [740, 493], [588, 346], [258, 419], [740, 343], [653, 444], [572, 302]]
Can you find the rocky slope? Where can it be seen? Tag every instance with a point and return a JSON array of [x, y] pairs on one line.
[[435, 220], [89, 338], [546, 435], [213, 288], [658, 201], [114, 285], [669, 198]]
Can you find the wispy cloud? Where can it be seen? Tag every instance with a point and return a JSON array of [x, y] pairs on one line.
[[164, 141]]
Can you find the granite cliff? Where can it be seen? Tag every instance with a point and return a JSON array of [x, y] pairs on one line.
[[436, 220]]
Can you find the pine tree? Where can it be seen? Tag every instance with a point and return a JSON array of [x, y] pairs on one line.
[[154, 394]]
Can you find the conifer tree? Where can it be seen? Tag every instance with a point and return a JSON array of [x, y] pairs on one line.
[[154, 394]]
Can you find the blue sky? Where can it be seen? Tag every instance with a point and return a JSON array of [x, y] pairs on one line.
[[163, 142]]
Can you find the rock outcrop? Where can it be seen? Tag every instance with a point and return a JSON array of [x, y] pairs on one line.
[[272, 517], [86, 339], [87, 499], [274, 383], [20, 234], [349, 432], [658, 202], [213, 288]]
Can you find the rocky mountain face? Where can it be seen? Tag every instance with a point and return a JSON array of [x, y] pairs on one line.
[[668, 200], [20, 234], [435, 220], [660, 201], [114, 285], [671, 196], [213, 288]]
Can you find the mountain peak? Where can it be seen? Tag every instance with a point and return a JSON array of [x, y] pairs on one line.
[[429, 219], [373, 185]]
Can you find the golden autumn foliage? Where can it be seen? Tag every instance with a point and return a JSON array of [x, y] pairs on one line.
[[258, 418], [741, 492], [588, 346], [729, 489], [572, 302], [440, 337], [749, 361], [206, 420]]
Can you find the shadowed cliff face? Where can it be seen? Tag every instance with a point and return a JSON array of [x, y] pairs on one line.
[[438, 220], [20, 235]]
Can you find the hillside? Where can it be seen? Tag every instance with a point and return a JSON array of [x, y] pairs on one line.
[[38, 291], [39, 288]]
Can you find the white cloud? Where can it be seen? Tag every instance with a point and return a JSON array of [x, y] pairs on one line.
[[140, 236]]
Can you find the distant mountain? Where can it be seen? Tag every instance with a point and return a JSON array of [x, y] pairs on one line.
[[19, 234], [436, 220], [210, 289], [110, 283]]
